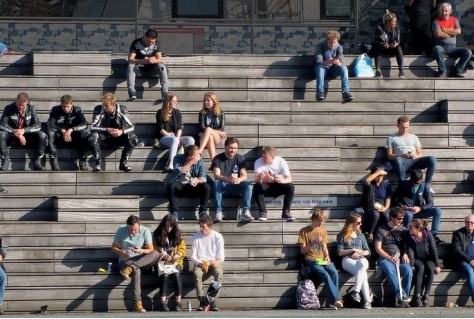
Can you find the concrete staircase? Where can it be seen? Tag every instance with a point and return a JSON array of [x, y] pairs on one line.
[[60, 225]]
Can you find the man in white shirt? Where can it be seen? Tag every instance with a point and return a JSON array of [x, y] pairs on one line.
[[272, 179], [207, 255]]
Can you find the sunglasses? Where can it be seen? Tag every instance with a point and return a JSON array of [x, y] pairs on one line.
[[399, 218], [357, 223], [411, 227]]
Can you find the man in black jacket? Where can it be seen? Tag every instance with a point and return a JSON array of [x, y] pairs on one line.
[[67, 125], [110, 124], [463, 246], [20, 124], [416, 199]]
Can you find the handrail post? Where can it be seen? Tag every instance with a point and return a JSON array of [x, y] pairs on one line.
[[136, 19], [356, 23], [252, 25]]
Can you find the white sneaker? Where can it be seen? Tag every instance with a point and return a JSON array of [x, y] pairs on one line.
[[246, 216], [180, 149], [219, 217], [432, 191], [367, 305]]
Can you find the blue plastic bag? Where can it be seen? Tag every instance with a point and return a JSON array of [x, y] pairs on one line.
[[363, 67]]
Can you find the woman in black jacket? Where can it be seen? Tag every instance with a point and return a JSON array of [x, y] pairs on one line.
[[386, 41], [170, 127], [424, 260], [211, 125]]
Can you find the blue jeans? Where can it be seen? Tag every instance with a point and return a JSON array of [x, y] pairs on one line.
[[333, 71], [468, 271], [391, 272], [158, 71], [439, 51], [244, 188], [434, 212], [403, 164], [329, 275], [3, 283]]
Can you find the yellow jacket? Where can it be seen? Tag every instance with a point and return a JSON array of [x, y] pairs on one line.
[[180, 250]]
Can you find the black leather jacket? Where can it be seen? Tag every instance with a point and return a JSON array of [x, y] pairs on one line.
[[10, 116], [59, 120], [101, 120], [217, 123]]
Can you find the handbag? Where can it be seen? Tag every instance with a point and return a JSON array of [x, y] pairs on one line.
[[166, 269], [363, 67]]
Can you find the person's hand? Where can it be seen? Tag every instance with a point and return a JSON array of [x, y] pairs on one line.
[[416, 209], [328, 259], [437, 270], [67, 135], [405, 259], [19, 132], [316, 240], [386, 45], [393, 259], [394, 45], [278, 178], [203, 268], [213, 263], [234, 180], [22, 140]]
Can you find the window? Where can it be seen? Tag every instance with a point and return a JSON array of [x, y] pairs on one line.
[[197, 9]]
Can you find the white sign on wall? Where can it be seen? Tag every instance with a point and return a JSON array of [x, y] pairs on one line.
[[329, 201]]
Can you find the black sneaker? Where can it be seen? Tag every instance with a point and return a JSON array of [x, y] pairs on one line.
[[320, 96], [347, 97], [455, 74], [378, 74], [179, 307], [401, 75], [202, 305], [132, 96], [214, 306], [438, 240]]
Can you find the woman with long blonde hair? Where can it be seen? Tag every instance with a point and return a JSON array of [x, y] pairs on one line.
[[353, 248], [211, 125], [170, 126]]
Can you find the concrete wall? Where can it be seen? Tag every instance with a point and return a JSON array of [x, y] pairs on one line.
[[214, 39]]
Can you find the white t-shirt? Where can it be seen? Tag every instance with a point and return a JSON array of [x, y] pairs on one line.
[[278, 166], [402, 144], [210, 247]]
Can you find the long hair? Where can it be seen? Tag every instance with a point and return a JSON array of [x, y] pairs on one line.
[[217, 104], [166, 107], [164, 239], [347, 229]]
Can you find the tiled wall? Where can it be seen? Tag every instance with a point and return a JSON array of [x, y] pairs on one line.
[[217, 39]]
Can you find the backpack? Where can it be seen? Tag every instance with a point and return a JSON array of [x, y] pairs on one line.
[[306, 296]]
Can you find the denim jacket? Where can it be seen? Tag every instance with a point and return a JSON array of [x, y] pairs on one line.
[[196, 170]]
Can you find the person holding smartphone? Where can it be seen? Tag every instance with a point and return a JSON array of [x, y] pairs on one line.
[[386, 41]]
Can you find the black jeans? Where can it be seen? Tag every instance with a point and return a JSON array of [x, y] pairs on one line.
[[260, 190], [423, 276], [176, 188], [373, 218], [379, 50], [421, 36], [79, 141], [176, 278], [37, 140]]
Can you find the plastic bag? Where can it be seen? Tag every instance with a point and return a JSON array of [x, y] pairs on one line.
[[363, 67]]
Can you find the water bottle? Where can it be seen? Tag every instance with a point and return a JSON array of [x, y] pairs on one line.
[[109, 268], [189, 306], [235, 171], [239, 214], [450, 304]]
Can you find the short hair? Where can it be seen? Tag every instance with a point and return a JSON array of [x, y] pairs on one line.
[[416, 175], [190, 149], [133, 219], [447, 5], [270, 150], [151, 33], [232, 140], [318, 215], [22, 97], [374, 169], [66, 99], [388, 16], [108, 99], [333, 34], [206, 220], [403, 119], [396, 212]]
